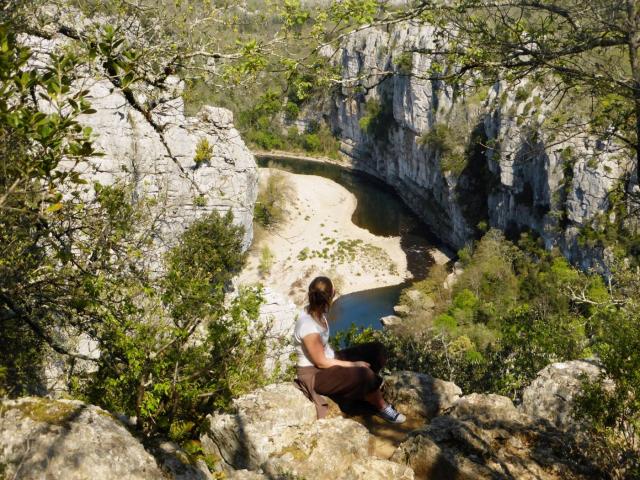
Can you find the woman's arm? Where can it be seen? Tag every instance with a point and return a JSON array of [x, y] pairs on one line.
[[312, 344]]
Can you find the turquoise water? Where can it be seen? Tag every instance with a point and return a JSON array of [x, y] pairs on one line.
[[382, 212]]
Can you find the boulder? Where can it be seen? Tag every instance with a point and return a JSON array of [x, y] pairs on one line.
[[485, 436], [550, 396], [68, 440], [267, 421], [390, 320], [274, 434], [419, 301], [326, 449], [420, 395], [414, 295], [371, 468], [402, 310]]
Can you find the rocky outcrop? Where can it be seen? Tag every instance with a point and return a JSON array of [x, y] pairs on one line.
[[275, 432], [420, 395], [149, 144], [550, 396], [70, 440], [485, 436], [516, 175], [266, 422]]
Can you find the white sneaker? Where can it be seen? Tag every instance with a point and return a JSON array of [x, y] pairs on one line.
[[391, 415]]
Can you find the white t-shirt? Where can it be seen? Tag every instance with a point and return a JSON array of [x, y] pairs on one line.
[[306, 325]]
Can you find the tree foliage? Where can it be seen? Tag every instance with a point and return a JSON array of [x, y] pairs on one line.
[[513, 311], [78, 263]]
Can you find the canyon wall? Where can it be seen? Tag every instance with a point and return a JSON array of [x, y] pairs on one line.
[[148, 143], [468, 161]]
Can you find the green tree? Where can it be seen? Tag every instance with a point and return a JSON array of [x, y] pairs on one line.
[[182, 352], [77, 261], [44, 250]]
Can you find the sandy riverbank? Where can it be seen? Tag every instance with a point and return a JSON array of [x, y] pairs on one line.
[[318, 238]]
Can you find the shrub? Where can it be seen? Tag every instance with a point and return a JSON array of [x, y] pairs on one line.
[[442, 139], [610, 405], [200, 201], [291, 111], [311, 142], [378, 118], [153, 365], [204, 152], [266, 261], [507, 317], [404, 63], [272, 200]]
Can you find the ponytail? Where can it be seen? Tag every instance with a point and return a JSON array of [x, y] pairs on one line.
[[321, 295]]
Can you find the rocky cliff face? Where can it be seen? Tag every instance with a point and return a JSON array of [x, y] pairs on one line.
[[154, 152], [415, 134]]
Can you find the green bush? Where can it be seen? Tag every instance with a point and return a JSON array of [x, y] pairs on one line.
[[404, 63], [156, 369], [266, 261], [378, 119], [507, 317], [204, 152], [442, 139], [311, 142], [272, 200]]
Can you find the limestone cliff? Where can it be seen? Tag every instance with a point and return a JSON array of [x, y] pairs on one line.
[[149, 145], [415, 134], [153, 150]]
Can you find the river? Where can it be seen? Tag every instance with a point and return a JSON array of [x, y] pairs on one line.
[[381, 211]]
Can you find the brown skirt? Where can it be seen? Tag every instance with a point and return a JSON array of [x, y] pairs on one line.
[[344, 383]]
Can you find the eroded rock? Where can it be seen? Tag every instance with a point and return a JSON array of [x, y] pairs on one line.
[[550, 396], [485, 436], [326, 449], [420, 395], [266, 422], [275, 433], [390, 320], [68, 440]]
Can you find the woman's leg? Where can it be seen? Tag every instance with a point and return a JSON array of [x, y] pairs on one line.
[[348, 383], [373, 353], [375, 398]]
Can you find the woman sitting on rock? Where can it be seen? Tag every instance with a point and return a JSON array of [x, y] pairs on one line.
[[347, 375]]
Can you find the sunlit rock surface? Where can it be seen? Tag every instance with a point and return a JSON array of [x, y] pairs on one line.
[[485, 436], [522, 176], [551, 395], [68, 440]]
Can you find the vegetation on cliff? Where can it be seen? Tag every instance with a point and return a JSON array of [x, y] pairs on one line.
[[79, 266], [515, 309]]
